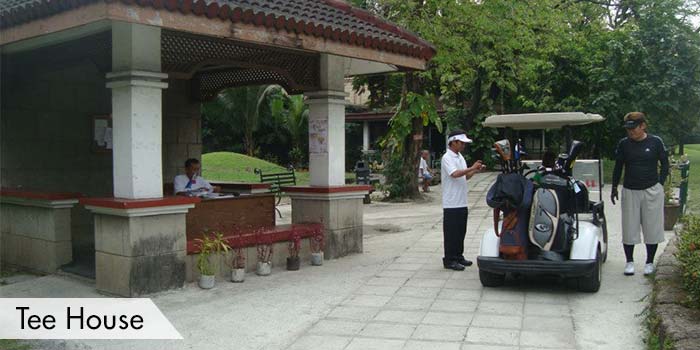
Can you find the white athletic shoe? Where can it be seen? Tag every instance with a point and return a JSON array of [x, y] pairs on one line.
[[649, 269], [629, 269]]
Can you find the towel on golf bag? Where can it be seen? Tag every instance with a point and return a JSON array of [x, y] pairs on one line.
[[514, 238], [509, 192], [513, 234]]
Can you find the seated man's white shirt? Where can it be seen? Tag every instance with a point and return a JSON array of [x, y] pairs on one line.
[[181, 181], [454, 189], [422, 168]]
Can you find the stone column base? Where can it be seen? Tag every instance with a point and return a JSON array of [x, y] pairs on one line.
[[140, 248], [340, 211]]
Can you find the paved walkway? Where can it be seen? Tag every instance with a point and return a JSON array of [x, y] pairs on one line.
[[394, 296]]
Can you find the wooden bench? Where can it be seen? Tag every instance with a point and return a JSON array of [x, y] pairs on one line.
[[277, 181]]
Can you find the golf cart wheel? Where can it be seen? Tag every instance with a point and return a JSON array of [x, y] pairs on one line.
[[591, 283], [605, 238], [489, 279]]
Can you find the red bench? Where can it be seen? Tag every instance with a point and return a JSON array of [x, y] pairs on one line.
[[251, 238]]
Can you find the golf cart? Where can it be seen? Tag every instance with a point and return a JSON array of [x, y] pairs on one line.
[[549, 226]]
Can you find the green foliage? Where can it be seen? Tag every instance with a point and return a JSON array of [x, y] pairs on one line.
[[398, 180], [412, 106], [401, 145], [239, 109], [12, 344], [688, 256], [513, 56], [213, 243]]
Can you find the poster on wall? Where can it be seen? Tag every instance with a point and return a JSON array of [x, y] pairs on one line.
[[102, 134], [318, 136]]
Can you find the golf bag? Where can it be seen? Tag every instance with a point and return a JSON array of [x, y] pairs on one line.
[[551, 226], [511, 194]]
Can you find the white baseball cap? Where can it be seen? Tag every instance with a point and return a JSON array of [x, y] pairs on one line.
[[459, 137]]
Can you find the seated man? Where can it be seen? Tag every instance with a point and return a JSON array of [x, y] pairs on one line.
[[424, 171], [191, 183]]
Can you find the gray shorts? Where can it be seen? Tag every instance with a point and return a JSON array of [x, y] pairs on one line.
[[643, 209]]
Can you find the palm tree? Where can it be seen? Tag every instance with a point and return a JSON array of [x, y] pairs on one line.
[[295, 114], [240, 108]]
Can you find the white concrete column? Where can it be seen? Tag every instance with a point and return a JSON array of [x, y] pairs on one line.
[[327, 125], [136, 86], [365, 136]]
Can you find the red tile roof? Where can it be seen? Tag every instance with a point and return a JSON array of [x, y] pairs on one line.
[[331, 19]]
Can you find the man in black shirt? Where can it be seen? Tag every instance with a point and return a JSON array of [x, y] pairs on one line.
[[640, 154]]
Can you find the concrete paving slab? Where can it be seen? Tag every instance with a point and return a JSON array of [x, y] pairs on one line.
[[454, 306], [409, 303], [497, 321], [488, 347], [440, 333], [496, 336], [448, 318], [397, 283], [387, 330], [418, 292], [431, 345], [375, 344], [354, 313], [500, 308], [547, 340], [399, 316], [329, 342], [337, 327]]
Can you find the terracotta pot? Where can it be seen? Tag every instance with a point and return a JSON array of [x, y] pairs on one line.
[[293, 263], [317, 259], [237, 275], [671, 214], [207, 281], [263, 268]]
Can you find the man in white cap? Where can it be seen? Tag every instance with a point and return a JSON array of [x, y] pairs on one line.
[[455, 174]]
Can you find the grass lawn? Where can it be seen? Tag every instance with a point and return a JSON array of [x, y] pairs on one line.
[[229, 166]]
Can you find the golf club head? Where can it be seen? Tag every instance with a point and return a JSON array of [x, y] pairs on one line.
[[503, 149]]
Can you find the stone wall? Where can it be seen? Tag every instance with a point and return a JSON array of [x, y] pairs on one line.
[[677, 323], [46, 136], [46, 129], [182, 128]]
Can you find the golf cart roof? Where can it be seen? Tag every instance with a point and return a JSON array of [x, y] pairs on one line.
[[533, 121]]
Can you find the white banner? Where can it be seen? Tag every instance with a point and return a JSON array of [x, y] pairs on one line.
[[88, 318]]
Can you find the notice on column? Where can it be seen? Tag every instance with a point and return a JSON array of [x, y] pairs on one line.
[[318, 136]]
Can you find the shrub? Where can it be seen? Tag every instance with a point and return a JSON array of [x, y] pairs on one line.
[[688, 256]]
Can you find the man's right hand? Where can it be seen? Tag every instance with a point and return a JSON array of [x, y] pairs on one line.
[[613, 195]]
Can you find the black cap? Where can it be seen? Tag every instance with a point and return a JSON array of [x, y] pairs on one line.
[[632, 123]]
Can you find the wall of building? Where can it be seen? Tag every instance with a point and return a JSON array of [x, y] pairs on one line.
[[46, 135], [46, 130], [182, 128]]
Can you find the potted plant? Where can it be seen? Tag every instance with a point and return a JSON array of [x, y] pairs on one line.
[[264, 248], [317, 241], [238, 264], [294, 247], [672, 205], [209, 244]]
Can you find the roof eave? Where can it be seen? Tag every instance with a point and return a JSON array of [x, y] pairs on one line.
[[208, 24]]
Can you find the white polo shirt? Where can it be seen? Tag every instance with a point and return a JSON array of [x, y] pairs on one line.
[[454, 190], [423, 167], [181, 181]]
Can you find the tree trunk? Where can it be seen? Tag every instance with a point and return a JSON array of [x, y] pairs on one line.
[[414, 142]]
